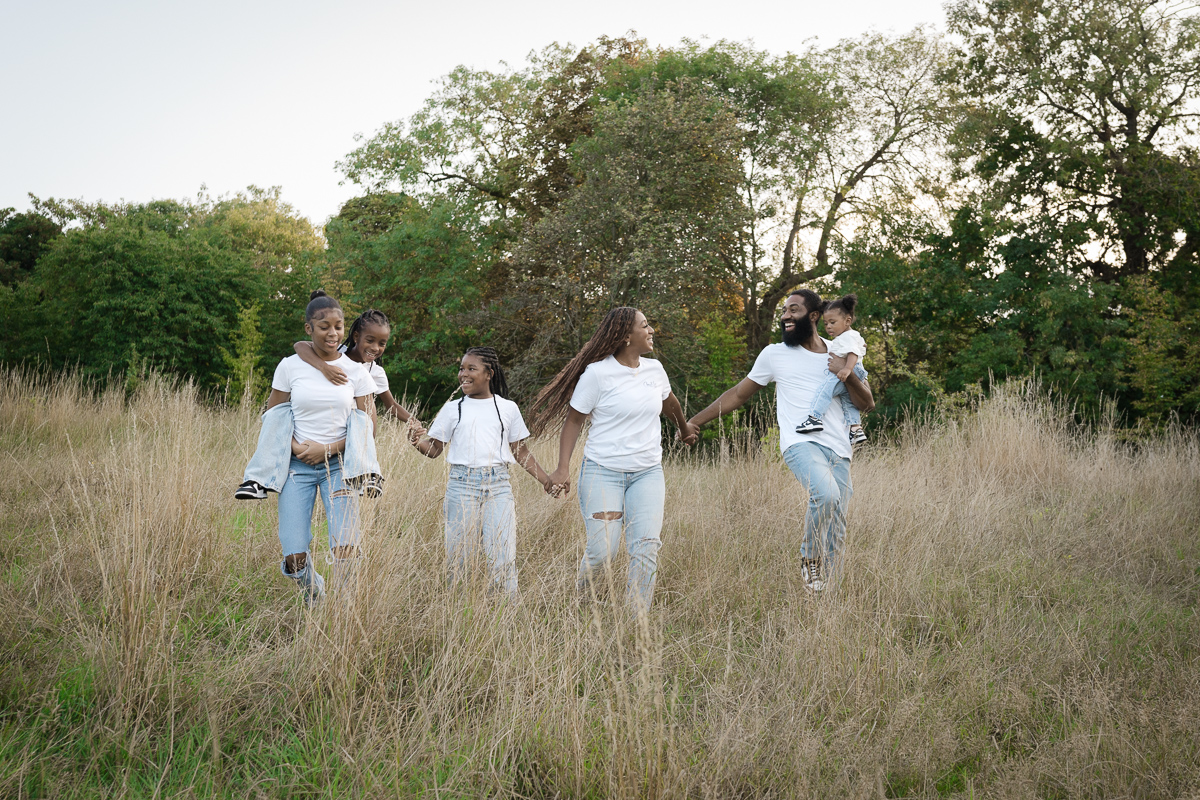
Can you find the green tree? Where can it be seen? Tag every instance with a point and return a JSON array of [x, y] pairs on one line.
[[23, 239]]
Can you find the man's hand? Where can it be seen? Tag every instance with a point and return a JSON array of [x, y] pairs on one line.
[[837, 364]]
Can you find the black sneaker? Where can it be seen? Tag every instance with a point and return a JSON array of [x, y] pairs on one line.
[[811, 574], [372, 486], [857, 435], [810, 425], [251, 490]]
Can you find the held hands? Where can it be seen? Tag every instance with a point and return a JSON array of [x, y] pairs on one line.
[[333, 373], [310, 452], [689, 434], [844, 373], [558, 482], [415, 430]]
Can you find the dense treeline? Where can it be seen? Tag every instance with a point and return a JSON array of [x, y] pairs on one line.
[[1021, 196]]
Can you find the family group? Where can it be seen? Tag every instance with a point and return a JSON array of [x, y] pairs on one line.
[[318, 437]]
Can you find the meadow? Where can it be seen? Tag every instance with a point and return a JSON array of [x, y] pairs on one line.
[[1017, 618]]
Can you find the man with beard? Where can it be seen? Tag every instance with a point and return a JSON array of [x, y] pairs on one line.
[[820, 461]]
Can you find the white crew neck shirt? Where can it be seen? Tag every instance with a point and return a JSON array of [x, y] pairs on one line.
[[798, 373], [847, 342], [476, 440], [374, 370], [624, 404], [321, 409]]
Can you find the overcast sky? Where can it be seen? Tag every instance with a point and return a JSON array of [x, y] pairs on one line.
[[139, 100]]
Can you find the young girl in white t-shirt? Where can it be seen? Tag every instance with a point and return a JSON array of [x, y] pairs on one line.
[[481, 433], [849, 343]]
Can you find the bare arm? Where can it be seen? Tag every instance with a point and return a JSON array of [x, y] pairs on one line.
[[688, 433], [529, 463], [332, 373], [566, 446], [429, 447], [851, 360], [859, 391], [390, 406], [278, 397], [732, 399]]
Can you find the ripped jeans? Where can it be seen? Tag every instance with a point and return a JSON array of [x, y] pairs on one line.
[[298, 496], [636, 499]]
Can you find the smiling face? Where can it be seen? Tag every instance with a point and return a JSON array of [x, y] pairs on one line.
[[837, 322], [370, 342], [641, 336], [326, 329], [474, 378], [796, 323]]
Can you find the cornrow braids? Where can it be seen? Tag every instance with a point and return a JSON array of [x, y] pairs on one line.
[[369, 317], [497, 385], [552, 401]]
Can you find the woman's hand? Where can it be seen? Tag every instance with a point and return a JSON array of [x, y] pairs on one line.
[[310, 452], [559, 482], [689, 434]]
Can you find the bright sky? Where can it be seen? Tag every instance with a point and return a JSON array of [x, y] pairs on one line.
[[148, 99]]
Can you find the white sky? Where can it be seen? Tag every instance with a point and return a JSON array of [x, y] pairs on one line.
[[147, 99]]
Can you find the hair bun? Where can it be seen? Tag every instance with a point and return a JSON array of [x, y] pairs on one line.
[[849, 302], [317, 293]]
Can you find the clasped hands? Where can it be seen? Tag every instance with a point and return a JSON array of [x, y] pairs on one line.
[[313, 453]]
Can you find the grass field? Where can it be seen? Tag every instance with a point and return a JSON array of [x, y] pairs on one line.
[[1017, 619]]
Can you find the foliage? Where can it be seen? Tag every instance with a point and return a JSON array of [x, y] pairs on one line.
[[161, 284]]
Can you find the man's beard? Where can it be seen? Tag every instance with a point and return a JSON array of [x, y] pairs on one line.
[[801, 333]]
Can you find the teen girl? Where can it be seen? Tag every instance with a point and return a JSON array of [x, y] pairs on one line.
[[365, 344], [481, 433], [322, 415], [621, 486]]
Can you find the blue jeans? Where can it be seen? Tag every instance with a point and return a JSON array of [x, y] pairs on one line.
[[830, 387], [273, 456], [638, 498], [296, 501], [479, 511], [826, 476]]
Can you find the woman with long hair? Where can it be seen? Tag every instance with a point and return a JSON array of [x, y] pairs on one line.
[[621, 486]]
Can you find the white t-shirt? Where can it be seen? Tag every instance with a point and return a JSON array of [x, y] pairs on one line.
[[625, 405], [476, 440], [850, 341], [320, 409], [375, 371], [798, 374]]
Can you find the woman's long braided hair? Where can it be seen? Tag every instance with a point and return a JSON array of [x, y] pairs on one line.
[[497, 385], [551, 402], [368, 317]]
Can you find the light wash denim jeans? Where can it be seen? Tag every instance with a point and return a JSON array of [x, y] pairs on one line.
[[297, 499], [273, 456], [480, 514], [831, 387], [639, 498], [826, 476]]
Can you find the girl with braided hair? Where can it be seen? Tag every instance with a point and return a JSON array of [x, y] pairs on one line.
[[481, 433], [621, 486], [365, 343]]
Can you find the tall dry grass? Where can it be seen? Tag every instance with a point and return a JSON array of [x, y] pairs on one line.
[[1017, 619]]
